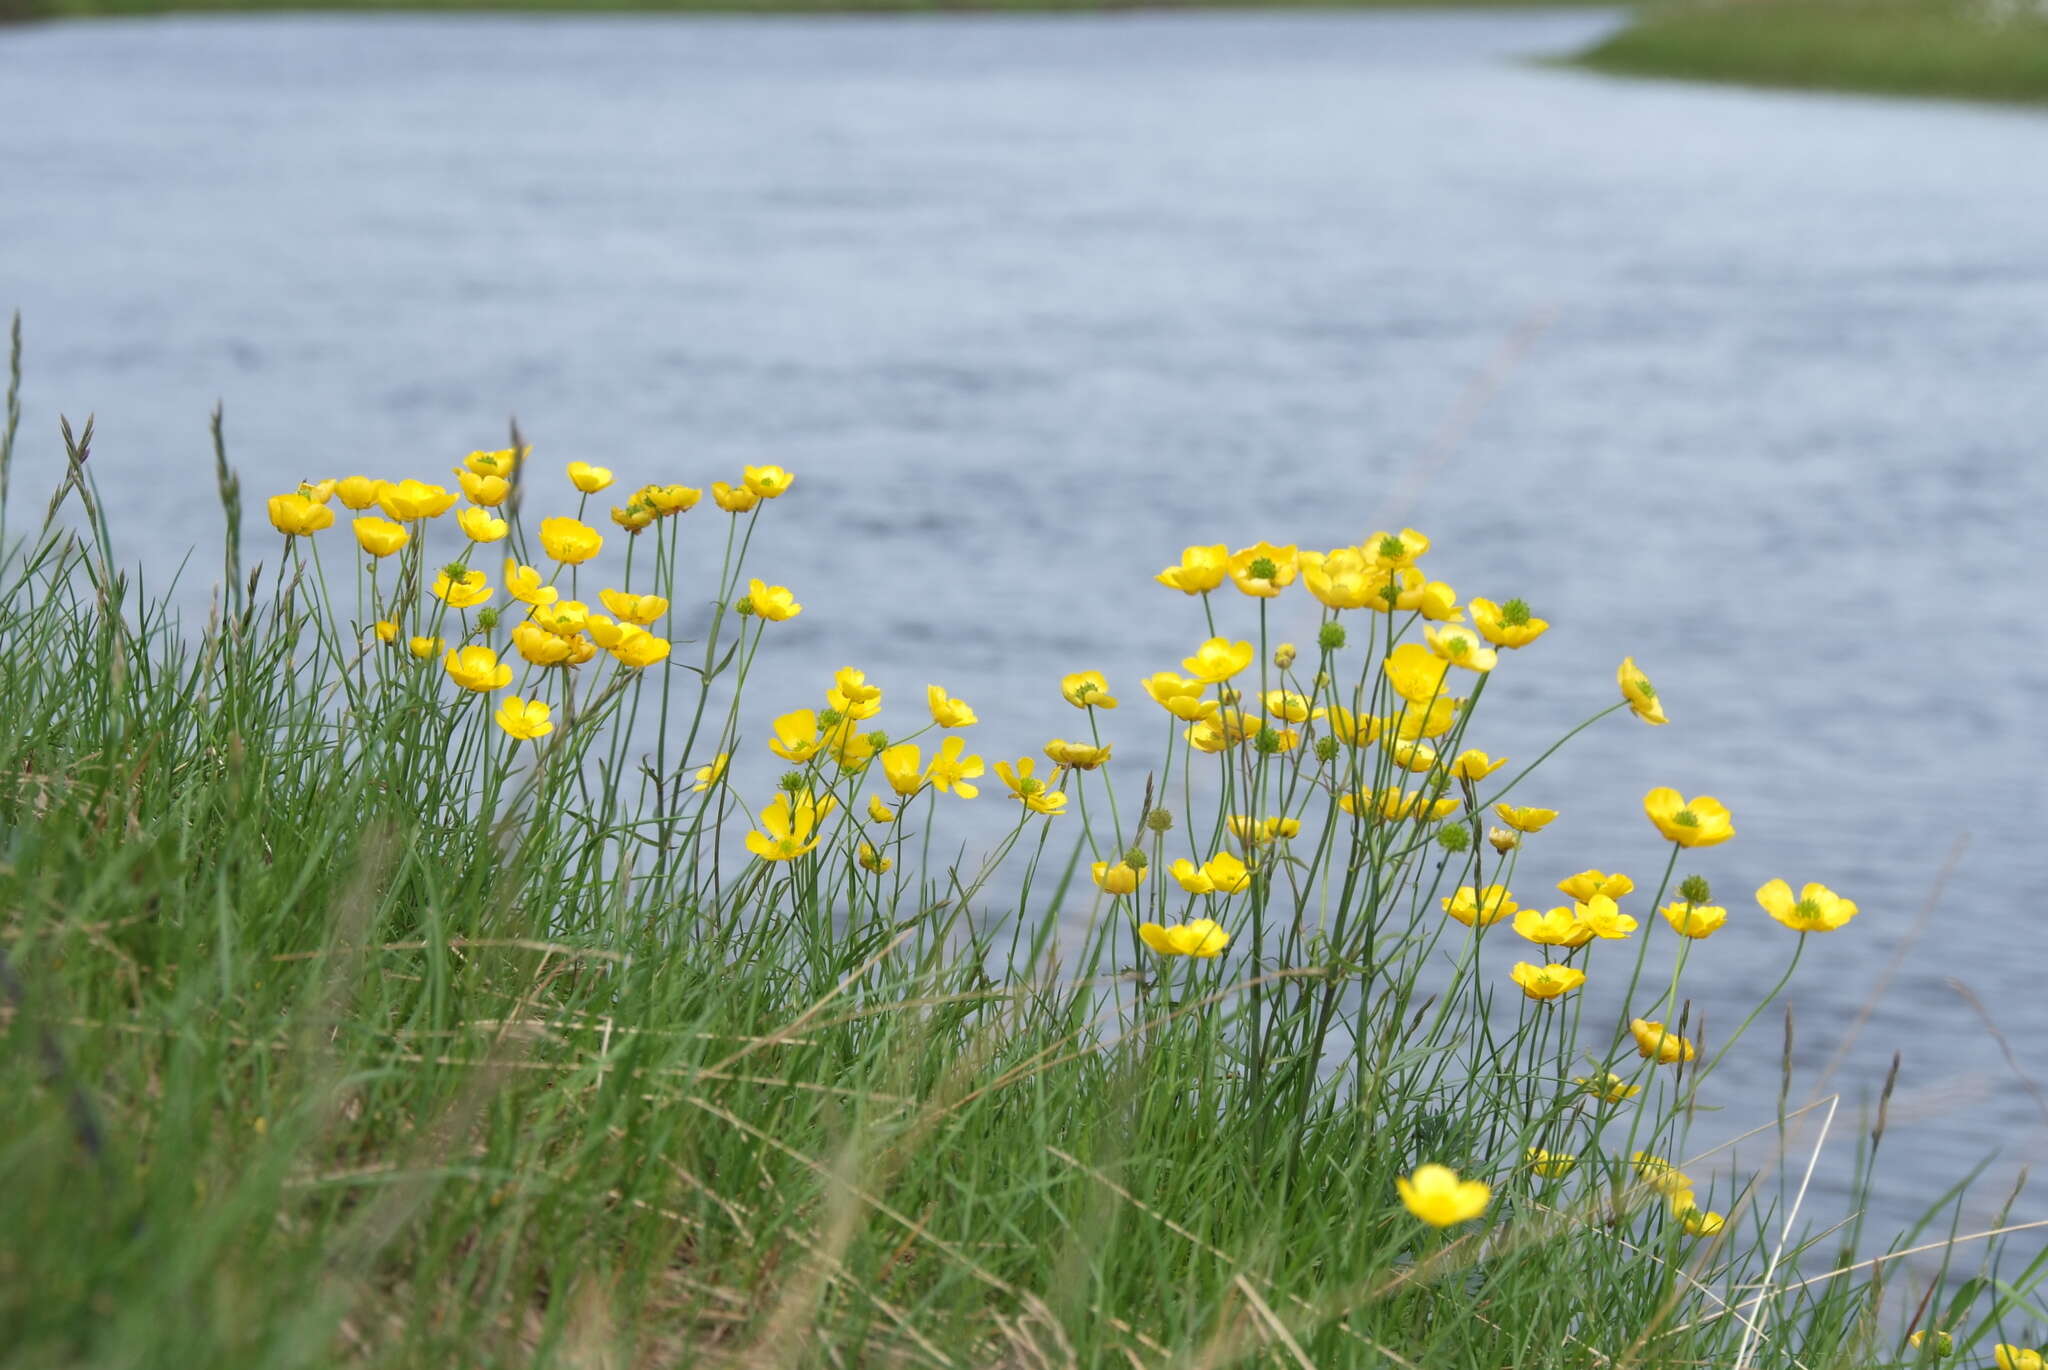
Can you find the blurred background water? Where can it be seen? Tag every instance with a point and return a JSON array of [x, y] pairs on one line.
[[1745, 385]]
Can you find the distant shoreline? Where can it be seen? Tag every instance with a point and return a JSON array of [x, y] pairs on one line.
[[114, 9]]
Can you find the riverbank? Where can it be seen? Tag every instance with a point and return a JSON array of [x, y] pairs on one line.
[[1955, 49], [90, 9]]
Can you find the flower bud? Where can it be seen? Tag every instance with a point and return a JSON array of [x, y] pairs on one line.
[[830, 718], [1503, 839], [1283, 655], [879, 740], [1160, 820], [1454, 837], [1330, 637], [1695, 890], [1135, 859], [1326, 749], [794, 782], [1229, 697], [487, 620]]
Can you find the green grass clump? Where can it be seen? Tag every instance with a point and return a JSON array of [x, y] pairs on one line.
[[341, 1025], [1968, 49]]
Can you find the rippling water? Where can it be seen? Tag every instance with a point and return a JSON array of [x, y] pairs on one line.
[[1746, 385]]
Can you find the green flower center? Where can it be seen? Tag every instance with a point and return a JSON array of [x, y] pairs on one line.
[[1807, 908], [1514, 613], [1686, 818], [1391, 546], [1263, 568]]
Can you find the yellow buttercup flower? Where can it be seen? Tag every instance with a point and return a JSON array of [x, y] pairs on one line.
[[569, 541], [882, 813], [604, 632], [476, 669], [950, 771], [773, 603], [671, 499], [488, 491], [524, 719], [1417, 757], [1660, 1174], [1416, 673], [1546, 981], [425, 647], [1701, 822], [1506, 625], [1551, 1165], [524, 584], [1079, 756], [637, 649], [1588, 883], [1817, 909], [1600, 917], [1218, 660], [1435, 1194], [410, 500], [768, 482], [1944, 1344], [540, 646], [1222, 873], [1433, 719], [381, 537], [589, 479], [1694, 920], [498, 463], [1609, 1088], [567, 616], [796, 736], [903, 767], [318, 491], [297, 516], [1525, 820], [466, 593], [707, 776], [1121, 878], [1393, 804], [1180, 696], [1503, 840], [851, 694], [1344, 579], [1460, 646], [873, 861], [948, 712], [1206, 736], [630, 608], [1353, 730], [1437, 602], [1391, 551], [387, 631], [1655, 1040], [851, 748], [789, 827], [734, 499], [2017, 1358], [1482, 908], [1263, 570], [1201, 570], [1559, 927], [634, 516], [1476, 765], [1027, 789], [478, 525], [1286, 706], [357, 492], [1639, 692], [1202, 937], [1087, 690], [1259, 832], [1685, 1207]]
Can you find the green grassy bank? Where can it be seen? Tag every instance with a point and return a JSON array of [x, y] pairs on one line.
[[1965, 49], [360, 1006], [60, 9]]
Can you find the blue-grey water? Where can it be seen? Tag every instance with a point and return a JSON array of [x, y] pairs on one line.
[[1747, 385]]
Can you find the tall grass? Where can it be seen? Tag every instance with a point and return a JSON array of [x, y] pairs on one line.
[[343, 1028]]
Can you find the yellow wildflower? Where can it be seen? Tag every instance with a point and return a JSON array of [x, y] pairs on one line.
[[524, 584], [1027, 789], [410, 500], [873, 861], [1121, 878], [1694, 920], [1222, 873], [569, 541], [1087, 690], [1259, 832], [1600, 917], [357, 492], [734, 499], [1551, 1165], [796, 736], [1218, 659], [1660, 1174], [567, 616], [296, 516], [1460, 646], [1180, 696], [488, 491], [1409, 755], [1685, 1206], [2017, 1358], [1263, 569], [1201, 570], [1343, 579], [1817, 909], [1475, 765], [466, 593], [477, 669], [1353, 730], [1546, 981], [1588, 883], [948, 712], [1609, 1088], [1655, 1040], [498, 463], [1506, 625], [950, 771], [424, 647], [1393, 550], [1416, 673], [882, 813], [1639, 692], [1286, 706], [903, 767], [381, 537], [524, 719], [1435, 1194], [1525, 820], [1701, 822], [630, 608], [479, 525], [538, 645], [1202, 937], [670, 499], [587, 478], [774, 603], [789, 827], [638, 649], [1080, 756], [768, 482], [1482, 908], [387, 631], [1434, 600], [707, 776], [1558, 927]]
